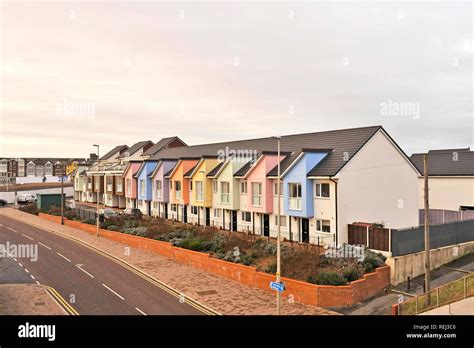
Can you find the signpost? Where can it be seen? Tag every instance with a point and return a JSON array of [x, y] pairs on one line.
[[280, 287]]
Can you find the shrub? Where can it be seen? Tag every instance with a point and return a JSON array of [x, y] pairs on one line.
[[71, 215], [329, 278], [271, 268], [193, 244], [247, 260], [352, 273], [54, 210], [90, 221], [113, 228], [30, 208], [136, 231]]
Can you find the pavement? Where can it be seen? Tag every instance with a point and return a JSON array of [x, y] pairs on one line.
[[28, 299], [101, 286]]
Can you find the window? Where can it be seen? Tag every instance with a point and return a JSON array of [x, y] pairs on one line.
[[194, 210], [243, 187], [283, 220], [294, 191], [48, 169], [246, 216], [173, 207], [257, 193], [217, 213], [177, 188], [199, 191], [225, 192], [190, 185], [128, 185], [214, 186], [171, 185], [119, 184], [159, 190], [140, 202], [155, 205], [321, 190], [323, 226], [275, 189], [142, 187]]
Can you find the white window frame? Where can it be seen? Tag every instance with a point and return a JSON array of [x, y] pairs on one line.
[[320, 185], [257, 198], [214, 186], [319, 225], [225, 195], [295, 202], [159, 188], [243, 187], [199, 191], [217, 213], [283, 218], [128, 186], [244, 217], [142, 187], [275, 193]]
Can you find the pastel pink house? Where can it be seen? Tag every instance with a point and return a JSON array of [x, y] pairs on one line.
[[131, 183], [260, 189]]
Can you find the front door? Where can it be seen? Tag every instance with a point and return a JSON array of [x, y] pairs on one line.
[[185, 214], [208, 217], [149, 208], [165, 210], [266, 225], [234, 220], [305, 230]]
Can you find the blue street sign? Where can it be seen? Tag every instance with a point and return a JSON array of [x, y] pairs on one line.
[[280, 287]]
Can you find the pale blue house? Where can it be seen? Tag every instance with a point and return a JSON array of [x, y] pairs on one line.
[[145, 186]]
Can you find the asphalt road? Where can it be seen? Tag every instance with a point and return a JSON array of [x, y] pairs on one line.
[[92, 283]]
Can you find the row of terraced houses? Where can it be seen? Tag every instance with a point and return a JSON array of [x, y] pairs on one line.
[[328, 180]]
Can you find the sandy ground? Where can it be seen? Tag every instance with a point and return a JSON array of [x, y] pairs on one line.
[[27, 299]]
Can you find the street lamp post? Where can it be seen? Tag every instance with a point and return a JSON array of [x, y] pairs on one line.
[[62, 193], [278, 272], [97, 196]]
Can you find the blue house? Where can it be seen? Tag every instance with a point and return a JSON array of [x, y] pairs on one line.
[[145, 186], [298, 189]]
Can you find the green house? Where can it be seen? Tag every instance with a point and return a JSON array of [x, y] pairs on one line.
[[45, 200]]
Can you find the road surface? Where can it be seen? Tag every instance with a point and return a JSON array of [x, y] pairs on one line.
[[92, 283]]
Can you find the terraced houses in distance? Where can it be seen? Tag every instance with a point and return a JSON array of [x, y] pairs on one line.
[[328, 180]]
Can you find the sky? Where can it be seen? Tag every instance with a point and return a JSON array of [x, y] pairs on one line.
[[79, 73]]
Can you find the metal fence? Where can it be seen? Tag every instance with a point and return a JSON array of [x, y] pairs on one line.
[[412, 240], [85, 214], [442, 216], [448, 293]]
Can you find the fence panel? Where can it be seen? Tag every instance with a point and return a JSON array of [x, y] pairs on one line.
[[378, 238], [357, 235], [409, 241], [441, 216]]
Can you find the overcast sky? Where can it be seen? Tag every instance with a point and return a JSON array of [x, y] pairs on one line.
[[78, 73]]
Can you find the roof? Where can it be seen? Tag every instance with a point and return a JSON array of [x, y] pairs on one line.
[[284, 164], [161, 144], [445, 163], [118, 148], [134, 148], [190, 171], [341, 141], [244, 169], [215, 170], [168, 173]]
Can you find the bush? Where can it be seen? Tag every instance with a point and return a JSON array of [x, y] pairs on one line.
[[113, 228], [90, 221], [351, 274], [70, 214], [271, 268], [247, 260], [192, 244], [136, 231], [329, 278], [30, 208], [53, 210]]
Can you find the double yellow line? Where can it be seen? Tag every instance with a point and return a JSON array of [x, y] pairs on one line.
[[61, 301], [186, 299]]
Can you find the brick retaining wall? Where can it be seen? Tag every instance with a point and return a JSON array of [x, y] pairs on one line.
[[312, 294]]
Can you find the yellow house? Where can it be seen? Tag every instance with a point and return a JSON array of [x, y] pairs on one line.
[[200, 191]]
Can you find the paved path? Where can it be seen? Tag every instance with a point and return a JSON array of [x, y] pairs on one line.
[[27, 299], [219, 293]]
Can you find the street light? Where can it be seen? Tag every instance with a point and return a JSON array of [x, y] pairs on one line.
[[204, 196], [278, 272], [62, 193], [98, 162]]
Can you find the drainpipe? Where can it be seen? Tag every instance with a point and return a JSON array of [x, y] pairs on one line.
[[337, 223]]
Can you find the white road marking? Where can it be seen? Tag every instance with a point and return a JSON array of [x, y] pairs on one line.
[[138, 309], [20, 264], [11, 229], [37, 282], [47, 247], [27, 271], [15, 259], [64, 257], [32, 276], [113, 291], [83, 270], [24, 235]]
